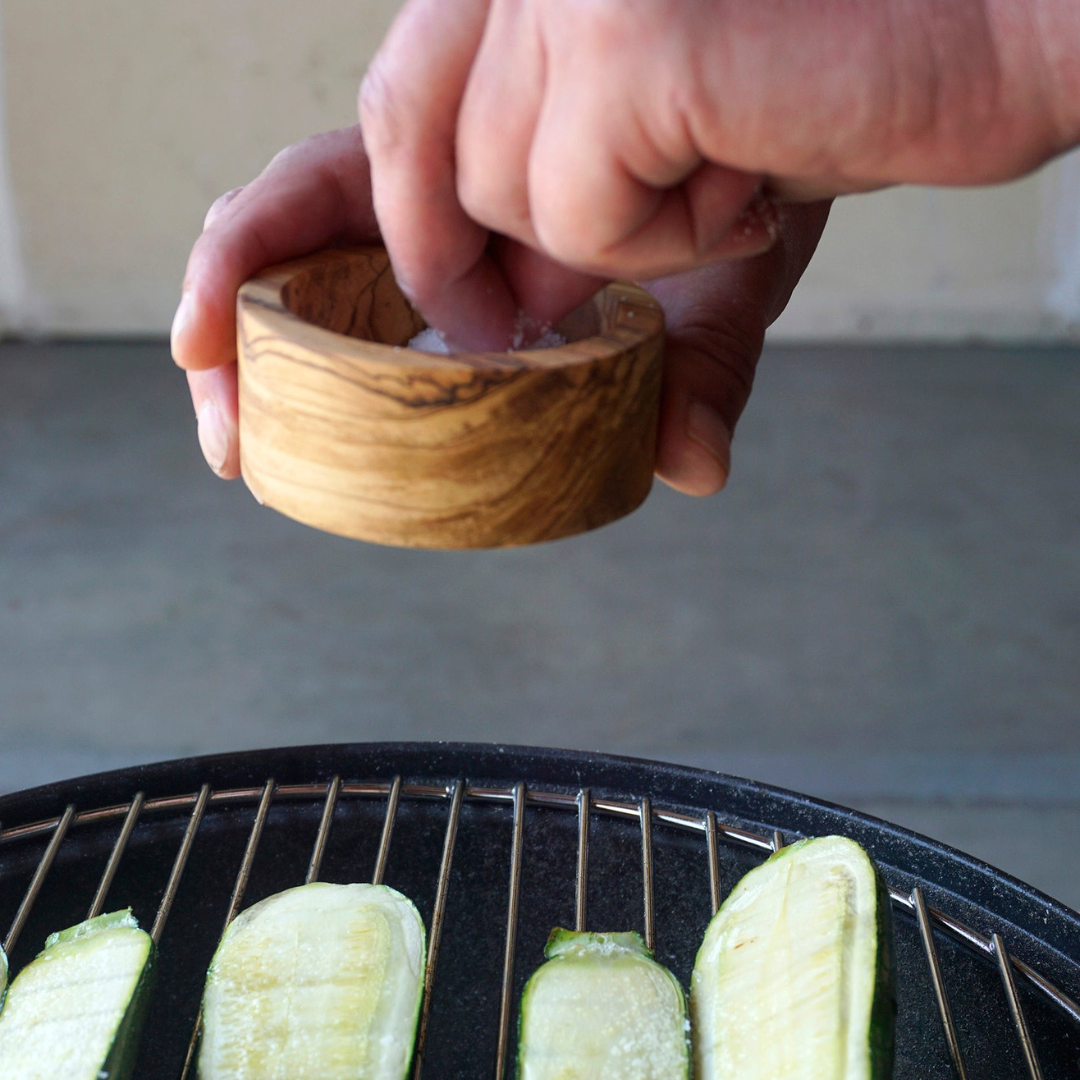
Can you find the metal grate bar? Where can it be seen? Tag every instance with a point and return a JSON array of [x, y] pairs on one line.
[[179, 864], [235, 900], [332, 791], [377, 789], [511, 928], [714, 861], [777, 840], [1019, 1020], [118, 850], [973, 938], [926, 932], [645, 810], [32, 890], [582, 885], [441, 889], [387, 831]]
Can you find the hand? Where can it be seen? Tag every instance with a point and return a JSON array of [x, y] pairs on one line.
[[628, 138], [317, 194]]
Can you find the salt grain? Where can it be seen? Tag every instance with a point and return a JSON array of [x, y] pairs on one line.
[[429, 340], [528, 334]]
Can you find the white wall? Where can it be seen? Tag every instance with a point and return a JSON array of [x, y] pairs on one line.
[[124, 119]]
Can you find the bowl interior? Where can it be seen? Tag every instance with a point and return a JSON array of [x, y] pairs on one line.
[[357, 295]]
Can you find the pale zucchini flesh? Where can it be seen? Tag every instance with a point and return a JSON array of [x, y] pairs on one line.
[[76, 1011], [794, 980], [322, 981], [601, 1008]]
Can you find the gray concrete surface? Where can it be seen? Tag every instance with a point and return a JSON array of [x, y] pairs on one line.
[[883, 609]]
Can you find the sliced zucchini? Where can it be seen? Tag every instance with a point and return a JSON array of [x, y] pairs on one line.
[[320, 981], [602, 1009], [794, 979], [76, 1010]]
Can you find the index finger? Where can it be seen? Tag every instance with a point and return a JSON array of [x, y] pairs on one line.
[[409, 105], [311, 195]]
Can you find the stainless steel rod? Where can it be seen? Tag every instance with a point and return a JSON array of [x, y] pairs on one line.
[[38, 879], [926, 932], [387, 831], [117, 854], [714, 861], [332, 791], [645, 810], [441, 889], [511, 929], [1019, 1020], [179, 864], [237, 898], [582, 887], [777, 840]]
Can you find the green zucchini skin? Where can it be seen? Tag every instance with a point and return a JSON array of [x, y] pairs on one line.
[[601, 1008], [3, 976], [320, 981], [43, 1032], [830, 884]]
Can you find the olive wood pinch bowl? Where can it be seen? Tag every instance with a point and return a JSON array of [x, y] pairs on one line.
[[345, 428]]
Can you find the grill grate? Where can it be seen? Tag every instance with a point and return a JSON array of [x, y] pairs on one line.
[[932, 923]]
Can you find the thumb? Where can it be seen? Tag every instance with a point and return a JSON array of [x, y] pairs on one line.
[[708, 375]]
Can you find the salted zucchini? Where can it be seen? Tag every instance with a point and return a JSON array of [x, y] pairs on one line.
[[76, 1010], [320, 981], [794, 980], [601, 1008]]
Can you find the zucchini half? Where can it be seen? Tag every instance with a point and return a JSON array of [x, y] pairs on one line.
[[602, 1009], [76, 1011], [320, 981], [795, 979]]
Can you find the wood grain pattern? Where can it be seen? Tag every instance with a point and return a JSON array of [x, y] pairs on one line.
[[345, 428]]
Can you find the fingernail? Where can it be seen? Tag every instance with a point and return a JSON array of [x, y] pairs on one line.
[[213, 438], [761, 215], [180, 323], [704, 427], [755, 230]]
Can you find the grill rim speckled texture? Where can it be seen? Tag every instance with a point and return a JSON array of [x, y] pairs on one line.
[[1040, 931]]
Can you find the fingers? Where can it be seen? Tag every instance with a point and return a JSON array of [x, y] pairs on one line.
[[708, 374], [603, 195], [409, 105], [214, 395], [313, 194], [716, 318]]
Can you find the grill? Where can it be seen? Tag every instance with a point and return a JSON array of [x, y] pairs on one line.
[[498, 845]]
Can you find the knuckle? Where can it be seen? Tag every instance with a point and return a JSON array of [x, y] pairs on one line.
[[218, 205], [564, 238], [380, 108]]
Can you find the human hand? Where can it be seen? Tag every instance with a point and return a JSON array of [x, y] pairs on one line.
[[313, 195], [317, 194], [628, 138]]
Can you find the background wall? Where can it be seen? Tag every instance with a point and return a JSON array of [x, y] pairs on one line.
[[124, 119]]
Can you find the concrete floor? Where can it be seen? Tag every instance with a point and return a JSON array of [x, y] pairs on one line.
[[882, 610]]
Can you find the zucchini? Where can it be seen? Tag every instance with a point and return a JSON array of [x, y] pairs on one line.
[[3, 975], [76, 1011], [795, 976], [318, 981], [602, 1009]]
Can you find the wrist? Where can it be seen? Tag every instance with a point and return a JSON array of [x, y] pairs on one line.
[[1039, 55], [1058, 27]]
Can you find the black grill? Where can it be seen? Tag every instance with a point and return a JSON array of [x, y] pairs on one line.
[[498, 845]]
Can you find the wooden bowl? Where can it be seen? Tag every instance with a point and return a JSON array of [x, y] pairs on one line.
[[345, 428]]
